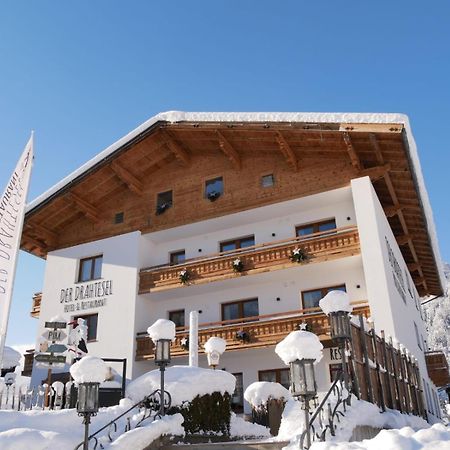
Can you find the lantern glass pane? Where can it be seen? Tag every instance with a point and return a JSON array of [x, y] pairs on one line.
[[309, 376], [88, 397]]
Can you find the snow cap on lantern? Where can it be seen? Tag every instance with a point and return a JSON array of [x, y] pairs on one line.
[[11, 358], [215, 344], [89, 369], [299, 345], [335, 301], [162, 329]]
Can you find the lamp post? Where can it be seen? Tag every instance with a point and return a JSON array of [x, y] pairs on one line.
[[87, 406], [336, 305], [303, 385], [162, 359]]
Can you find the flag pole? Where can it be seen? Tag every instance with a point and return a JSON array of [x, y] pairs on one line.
[[12, 212]]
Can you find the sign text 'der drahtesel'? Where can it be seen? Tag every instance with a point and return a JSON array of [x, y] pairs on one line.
[[86, 296]]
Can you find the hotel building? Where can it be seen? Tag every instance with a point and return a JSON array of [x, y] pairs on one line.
[[196, 191]]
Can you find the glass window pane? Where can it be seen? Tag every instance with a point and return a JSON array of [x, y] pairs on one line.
[[311, 299], [268, 375], [248, 242], [250, 308], [267, 180], [214, 186], [98, 267], [336, 288], [226, 246], [177, 257], [86, 268], [92, 327], [231, 311], [330, 225], [304, 231], [284, 378]]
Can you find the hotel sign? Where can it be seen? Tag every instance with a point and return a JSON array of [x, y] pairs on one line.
[[86, 296]]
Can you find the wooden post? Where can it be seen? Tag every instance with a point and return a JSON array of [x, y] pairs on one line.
[[352, 365], [366, 358], [394, 368], [388, 374], [47, 389], [377, 362]]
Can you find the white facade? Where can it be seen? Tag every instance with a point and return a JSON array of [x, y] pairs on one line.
[[372, 275]]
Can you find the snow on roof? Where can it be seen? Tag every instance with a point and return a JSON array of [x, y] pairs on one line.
[[252, 117], [183, 382]]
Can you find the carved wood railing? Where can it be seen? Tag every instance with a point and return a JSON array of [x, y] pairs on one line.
[[319, 247], [36, 305], [255, 332]]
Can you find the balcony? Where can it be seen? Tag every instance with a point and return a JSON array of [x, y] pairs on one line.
[[260, 331], [437, 367], [260, 258], [36, 305]]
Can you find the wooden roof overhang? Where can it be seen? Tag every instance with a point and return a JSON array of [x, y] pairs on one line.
[[81, 210]]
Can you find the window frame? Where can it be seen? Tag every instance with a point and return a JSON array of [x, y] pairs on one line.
[[316, 226], [240, 304], [236, 241], [324, 291], [266, 176], [91, 277], [177, 311], [85, 316], [277, 371]]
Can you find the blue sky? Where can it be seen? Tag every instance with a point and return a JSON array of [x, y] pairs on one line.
[[82, 74]]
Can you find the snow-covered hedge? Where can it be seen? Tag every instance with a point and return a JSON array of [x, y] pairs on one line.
[[259, 393]]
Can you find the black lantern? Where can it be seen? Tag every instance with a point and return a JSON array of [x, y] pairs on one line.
[[87, 406], [303, 379], [340, 326], [162, 352]]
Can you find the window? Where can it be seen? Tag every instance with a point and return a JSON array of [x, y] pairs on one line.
[[237, 243], [310, 299], [214, 188], [237, 399], [177, 257], [267, 180], [177, 317], [275, 376], [163, 202], [419, 343], [90, 268], [118, 218], [91, 323], [317, 227], [335, 370], [240, 309]]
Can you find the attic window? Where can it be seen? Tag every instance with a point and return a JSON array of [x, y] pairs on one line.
[[214, 188], [118, 218], [163, 202], [267, 180]]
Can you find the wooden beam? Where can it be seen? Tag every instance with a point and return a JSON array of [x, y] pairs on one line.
[[287, 151], [127, 177], [85, 207], [403, 239], [375, 173], [413, 267], [391, 211], [34, 242], [229, 151], [180, 153], [354, 158], [48, 235]]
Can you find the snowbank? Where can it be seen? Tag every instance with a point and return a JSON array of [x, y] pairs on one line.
[[141, 438], [162, 329], [335, 301], [89, 369], [259, 393], [215, 344], [11, 358], [299, 345], [243, 429], [27, 438], [436, 437], [183, 383]]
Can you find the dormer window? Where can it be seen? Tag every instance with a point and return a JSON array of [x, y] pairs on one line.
[[163, 202], [214, 188]]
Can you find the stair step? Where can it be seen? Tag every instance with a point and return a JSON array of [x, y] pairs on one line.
[[231, 445]]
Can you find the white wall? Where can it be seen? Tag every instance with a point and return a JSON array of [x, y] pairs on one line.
[[115, 330]]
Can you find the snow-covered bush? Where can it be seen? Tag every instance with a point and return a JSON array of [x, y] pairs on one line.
[[259, 393]]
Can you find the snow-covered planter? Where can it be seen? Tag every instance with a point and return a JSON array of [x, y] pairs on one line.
[[202, 396], [185, 276], [298, 255], [238, 265]]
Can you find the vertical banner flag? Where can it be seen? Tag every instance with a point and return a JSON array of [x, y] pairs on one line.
[[12, 211]]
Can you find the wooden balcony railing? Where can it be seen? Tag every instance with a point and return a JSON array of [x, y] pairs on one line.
[[259, 331], [437, 367], [319, 247], [36, 306]]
